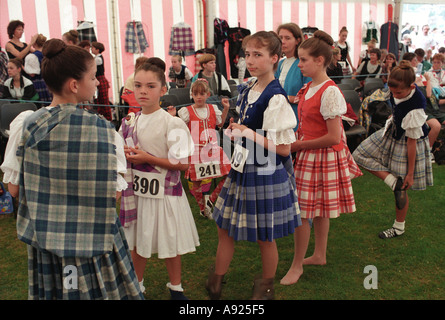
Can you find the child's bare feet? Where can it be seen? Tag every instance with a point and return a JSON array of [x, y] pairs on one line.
[[313, 260], [292, 276]]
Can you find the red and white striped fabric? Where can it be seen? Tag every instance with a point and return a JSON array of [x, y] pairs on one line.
[[329, 16], [52, 18]]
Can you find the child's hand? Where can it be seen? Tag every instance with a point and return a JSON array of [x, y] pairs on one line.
[[172, 110], [236, 130], [136, 155], [225, 103], [408, 182]]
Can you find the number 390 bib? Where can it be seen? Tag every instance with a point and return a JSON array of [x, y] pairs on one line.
[[149, 184]]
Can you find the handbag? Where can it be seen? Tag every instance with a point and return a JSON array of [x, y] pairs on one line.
[[6, 201]]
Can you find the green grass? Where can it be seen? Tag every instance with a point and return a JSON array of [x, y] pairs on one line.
[[409, 267]]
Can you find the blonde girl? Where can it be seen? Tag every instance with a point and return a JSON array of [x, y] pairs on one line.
[[209, 160]]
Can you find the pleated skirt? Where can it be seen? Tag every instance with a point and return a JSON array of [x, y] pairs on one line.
[[381, 152], [258, 204], [107, 277]]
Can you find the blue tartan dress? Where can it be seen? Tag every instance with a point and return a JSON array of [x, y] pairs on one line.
[[67, 208], [260, 203]]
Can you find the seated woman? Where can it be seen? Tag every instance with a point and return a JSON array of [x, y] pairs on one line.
[[17, 86], [369, 68]]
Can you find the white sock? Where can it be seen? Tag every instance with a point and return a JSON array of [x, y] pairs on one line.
[[141, 285], [399, 226], [177, 287], [391, 181]]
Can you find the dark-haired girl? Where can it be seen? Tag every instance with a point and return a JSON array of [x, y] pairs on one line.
[[64, 163], [258, 202], [18, 87], [154, 209], [324, 166], [288, 72], [399, 153]]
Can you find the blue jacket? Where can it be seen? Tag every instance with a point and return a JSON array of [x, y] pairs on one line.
[[293, 83]]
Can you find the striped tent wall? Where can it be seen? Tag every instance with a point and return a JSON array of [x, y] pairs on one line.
[[329, 16], [52, 18]]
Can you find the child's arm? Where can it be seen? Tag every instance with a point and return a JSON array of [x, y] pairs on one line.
[[239, 130], [332, 138], [409, 179], [226, 105], [13, 190], [138, 156]]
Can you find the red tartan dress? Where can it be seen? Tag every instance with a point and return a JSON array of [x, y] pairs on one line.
[[323, 176], [207, 147]]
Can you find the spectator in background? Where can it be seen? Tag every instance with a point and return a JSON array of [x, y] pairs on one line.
[[102, 89], [334, 70], [217, 82], [179, 73], [389, 63], [344, 47], [33, 62], [366, 54], [15, 48], [71, 38], [85, 44], [369, 68], [18, 87], [425, 40], [3, 69], [425, 65]]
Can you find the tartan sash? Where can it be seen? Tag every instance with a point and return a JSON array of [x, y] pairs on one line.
[[67, 202], [173, 186]]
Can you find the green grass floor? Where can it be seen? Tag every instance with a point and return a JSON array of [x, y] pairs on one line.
[[408, 267]]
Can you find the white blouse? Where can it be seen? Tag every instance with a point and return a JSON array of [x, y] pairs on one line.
[[279, 119], [11, 166], [333, 103], [183, 113]]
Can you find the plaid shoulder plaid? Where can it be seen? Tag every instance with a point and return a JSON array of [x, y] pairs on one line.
[[67, 203], [135, 40]]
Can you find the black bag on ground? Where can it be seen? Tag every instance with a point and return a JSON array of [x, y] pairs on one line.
[[439, 151], [379, 112]]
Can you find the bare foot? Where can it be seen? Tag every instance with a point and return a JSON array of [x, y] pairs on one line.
[[292, 276], [314, 261]]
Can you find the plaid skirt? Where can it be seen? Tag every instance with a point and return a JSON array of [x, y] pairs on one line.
[[102, 98], [255, 205], [107, 277], [323, 178], [42, 89], [381, 152]]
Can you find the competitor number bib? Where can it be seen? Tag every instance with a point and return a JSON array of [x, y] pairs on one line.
[[149, 184]]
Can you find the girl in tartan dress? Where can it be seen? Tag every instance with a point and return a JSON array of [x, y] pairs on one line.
[[202, 118], [258, 202], [102, 89], [323, 165], [64, 164], [399, 153]]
